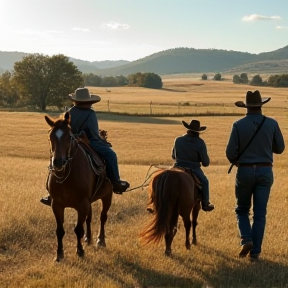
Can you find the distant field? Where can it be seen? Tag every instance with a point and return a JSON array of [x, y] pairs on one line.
[[185, 96], [27, 228]]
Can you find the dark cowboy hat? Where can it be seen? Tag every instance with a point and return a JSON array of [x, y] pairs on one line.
[[83, 95], [253, 99], [194, 126]]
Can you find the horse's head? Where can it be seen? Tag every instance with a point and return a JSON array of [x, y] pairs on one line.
[[60, 140]]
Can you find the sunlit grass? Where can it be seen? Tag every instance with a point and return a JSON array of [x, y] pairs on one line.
[[27, 228]]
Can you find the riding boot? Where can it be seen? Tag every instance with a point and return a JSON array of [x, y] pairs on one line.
[[46, 200], [120, 186], [206, 206]]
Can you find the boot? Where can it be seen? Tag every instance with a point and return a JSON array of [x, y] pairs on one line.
[[46, 200], [120, 186], [206, 206]]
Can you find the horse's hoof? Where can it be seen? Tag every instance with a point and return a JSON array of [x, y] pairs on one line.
[[80, 252], [87, 240], [168, 253], [59, 257], [194, 242], [100, 244], [188, 246]]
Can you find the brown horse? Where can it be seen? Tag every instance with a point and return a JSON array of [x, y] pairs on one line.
[[73, 182], [172, 192]]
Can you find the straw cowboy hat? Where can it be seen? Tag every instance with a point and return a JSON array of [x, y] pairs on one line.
[[194, 126], [83, 95], [253, 99]]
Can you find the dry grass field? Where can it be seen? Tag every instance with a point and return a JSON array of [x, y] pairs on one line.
[[27, 228]]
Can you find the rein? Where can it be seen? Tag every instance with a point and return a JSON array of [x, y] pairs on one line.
[[148, 177]]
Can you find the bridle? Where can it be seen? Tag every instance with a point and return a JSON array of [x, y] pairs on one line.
[[66, 166]]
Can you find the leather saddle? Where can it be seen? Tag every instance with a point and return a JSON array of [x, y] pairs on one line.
[[196, 180], [96, 161]]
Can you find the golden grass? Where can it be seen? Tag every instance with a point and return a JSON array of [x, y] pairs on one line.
[[27, 228]]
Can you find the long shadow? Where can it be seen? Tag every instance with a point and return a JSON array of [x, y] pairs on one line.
[[173, 90], [144, 277], [136, 119], [240, 273]]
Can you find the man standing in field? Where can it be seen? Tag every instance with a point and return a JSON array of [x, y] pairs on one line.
[[253, 140]]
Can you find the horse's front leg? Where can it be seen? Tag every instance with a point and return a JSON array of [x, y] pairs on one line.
[[106, 203], [83, 211], [195, 213], [58, 211], [88, 236]]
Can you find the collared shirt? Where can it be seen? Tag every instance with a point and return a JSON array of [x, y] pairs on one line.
[[268, 140], [190, 152]]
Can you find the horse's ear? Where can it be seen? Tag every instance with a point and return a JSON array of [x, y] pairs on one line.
[[49, 121], [67, 117]]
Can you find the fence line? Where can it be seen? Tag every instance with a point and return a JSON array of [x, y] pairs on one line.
[[173, 109]]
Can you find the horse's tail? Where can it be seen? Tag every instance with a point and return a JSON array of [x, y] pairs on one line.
[[165, 206]]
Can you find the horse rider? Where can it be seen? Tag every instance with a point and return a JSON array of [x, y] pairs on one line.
[[83, 118], [190, 151]]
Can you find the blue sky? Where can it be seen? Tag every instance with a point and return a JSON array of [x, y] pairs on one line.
[[97, 30]]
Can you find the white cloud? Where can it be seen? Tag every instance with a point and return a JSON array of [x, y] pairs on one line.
[[256, 17], [281, 27], [81, 29], [115, 26]]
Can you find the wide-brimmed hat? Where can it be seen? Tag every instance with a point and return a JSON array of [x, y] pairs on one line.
[[83, 95], [194, 126], [253, 99]]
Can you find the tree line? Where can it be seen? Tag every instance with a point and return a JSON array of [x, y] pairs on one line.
[[39, 81], [273, 80]]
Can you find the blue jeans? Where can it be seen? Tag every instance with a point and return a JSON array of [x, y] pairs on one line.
[[252, 183], [110, 159], [205, 184]]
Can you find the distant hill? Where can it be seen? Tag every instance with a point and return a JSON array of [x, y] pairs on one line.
[[7, 60], [178, 60]]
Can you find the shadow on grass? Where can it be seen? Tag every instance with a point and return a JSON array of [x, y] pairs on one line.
[[239, 272], [146, 119]]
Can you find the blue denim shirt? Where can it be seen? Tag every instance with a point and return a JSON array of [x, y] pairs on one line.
[[269, 140]]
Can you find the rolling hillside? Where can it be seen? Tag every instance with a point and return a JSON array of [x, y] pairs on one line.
[[178, 60]]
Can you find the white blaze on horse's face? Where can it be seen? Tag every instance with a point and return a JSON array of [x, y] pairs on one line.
[[59, 134], [58, 157]]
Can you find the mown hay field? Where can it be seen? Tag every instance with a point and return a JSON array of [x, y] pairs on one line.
[[27, 228]]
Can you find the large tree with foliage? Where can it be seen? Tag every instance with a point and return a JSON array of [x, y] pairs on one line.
[[46, 81], [152, 80], [8, 94]]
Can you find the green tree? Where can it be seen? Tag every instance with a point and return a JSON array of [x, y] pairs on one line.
[[8, 93], [256, 81], [204, 77], [217, 77], [278, 80], [152, 80], [46, 81], [244, 78], [237, 79], [92, 80]]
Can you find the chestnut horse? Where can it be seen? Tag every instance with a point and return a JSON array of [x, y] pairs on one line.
[[73, 182], [172, 192]]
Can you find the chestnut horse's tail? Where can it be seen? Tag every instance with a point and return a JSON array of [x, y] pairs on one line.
[[165, 199]]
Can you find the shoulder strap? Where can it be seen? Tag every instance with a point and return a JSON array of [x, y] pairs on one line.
[[84, 122], [240, 154]]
